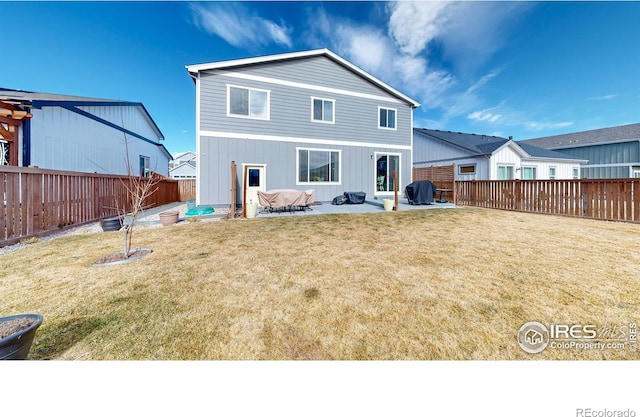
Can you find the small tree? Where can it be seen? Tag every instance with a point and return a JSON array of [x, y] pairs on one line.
[[137, 189]]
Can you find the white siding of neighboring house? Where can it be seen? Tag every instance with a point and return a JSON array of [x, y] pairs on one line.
[[183, 171], [505, 156], [508, 156], [64, 140], [482, 169]]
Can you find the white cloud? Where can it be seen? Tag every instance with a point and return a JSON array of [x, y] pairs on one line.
[[412, 25], [484, 116], [535, 126], [234, 23], [602, 98]]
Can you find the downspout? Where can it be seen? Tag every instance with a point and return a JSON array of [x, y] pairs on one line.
[[26, 141]]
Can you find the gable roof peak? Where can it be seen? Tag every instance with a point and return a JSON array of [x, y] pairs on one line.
[[194, 69]]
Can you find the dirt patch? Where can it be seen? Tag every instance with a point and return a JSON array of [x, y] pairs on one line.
[[118, 258], [7, 328]]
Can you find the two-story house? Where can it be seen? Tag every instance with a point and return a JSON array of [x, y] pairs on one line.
[[81, 134], [303, 120]]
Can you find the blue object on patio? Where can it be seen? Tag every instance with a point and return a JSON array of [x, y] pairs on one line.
[[199, 210], [191, 204]]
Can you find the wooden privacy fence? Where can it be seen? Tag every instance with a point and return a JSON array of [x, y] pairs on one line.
[[441, 176], [187, 189], [603, 199], [38, 201]]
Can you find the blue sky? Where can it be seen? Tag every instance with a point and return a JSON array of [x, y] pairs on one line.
[[521, 69]]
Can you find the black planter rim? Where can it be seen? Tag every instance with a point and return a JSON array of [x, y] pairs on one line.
[[18, 335]]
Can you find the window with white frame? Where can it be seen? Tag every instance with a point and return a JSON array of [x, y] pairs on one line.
[[386, 118], [552, 173], [505, 172], [318, 166], [322, 110], [248, 102], [528, 173], [576, 173], [144, 166], [467, 169]]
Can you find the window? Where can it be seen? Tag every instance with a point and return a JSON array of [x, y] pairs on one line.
[[552, 173], [386, 118], [528, 173], [467, 169], [4, 152], [248, 102], [322, 110], [505, 172], [144, 166], [386, 164], [576, 173], [318, 166]]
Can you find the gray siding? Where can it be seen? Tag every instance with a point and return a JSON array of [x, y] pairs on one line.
[[615, 153], [428, 151], [607, 160], [320, 71], [356, 118], [216, 155]]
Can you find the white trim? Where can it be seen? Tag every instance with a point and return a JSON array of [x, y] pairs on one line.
[[249, 89], [298, 182], [310, 53], [313, 87], [296, 139], [395, 118], [198, 138], [375, 174], [555, 172], [333, 110]]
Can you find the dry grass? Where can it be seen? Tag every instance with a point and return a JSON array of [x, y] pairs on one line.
[[423, 284]]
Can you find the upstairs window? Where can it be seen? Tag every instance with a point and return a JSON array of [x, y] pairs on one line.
[[322, 110], [386, 118], [248, 102]]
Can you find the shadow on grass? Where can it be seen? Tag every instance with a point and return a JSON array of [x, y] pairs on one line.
[[51, 342]]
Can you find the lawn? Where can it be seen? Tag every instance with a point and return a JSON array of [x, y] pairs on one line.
[[441, 284]]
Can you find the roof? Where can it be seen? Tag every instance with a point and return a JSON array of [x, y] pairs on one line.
[[614, 134], [196, 68], [470, 142], [38, 100], [485, 145]]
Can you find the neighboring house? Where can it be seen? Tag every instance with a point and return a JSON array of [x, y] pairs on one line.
[[613, 152], [481, 157], [82, 134], [183, 157], [183, 166], [186, 170], [304, 120]]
